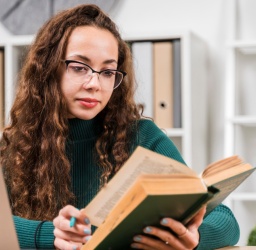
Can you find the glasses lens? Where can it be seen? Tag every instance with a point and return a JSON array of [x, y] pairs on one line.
[[118, 79], [81, 73], [110, 79], [78, 72]]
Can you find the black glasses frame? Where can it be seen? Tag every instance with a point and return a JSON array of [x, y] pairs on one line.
[[67, 62]]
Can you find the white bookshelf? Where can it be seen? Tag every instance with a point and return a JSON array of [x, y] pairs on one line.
[[191, 138], [14, 47], [240, 119]]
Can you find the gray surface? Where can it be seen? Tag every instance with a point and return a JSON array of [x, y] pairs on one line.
[[25, 17]]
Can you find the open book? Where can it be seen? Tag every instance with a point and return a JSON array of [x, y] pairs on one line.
[[151, 186]]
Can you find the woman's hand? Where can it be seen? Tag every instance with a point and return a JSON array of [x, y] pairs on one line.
[[67, 237], [183, 237]]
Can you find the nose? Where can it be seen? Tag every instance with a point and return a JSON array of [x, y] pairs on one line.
[[94, 82]]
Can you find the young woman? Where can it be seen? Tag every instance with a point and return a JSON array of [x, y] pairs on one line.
[[73, 124]]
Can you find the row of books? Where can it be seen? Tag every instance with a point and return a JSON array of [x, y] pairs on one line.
[[1, 89], [158, 73]]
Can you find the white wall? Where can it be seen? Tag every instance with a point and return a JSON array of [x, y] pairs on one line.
[[209, 19], [3, 31]]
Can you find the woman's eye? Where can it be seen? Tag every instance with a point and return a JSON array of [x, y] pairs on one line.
[[78, 68], [108, 73]]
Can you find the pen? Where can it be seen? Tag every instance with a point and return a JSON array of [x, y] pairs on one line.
[[72, 221]]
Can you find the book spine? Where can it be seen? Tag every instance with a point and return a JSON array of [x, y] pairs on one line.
[[143, 66], [177, 123], [163, 84], [212, 191]]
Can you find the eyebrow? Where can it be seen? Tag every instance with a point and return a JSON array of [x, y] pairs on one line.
[[86, 59]]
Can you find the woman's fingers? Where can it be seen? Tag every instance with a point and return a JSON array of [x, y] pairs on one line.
[[70, 236], [69, 211], [198, 218], [147, 243], [175, 236], [177, 227], [63, 224], [165, 237], [81, 225], [66, 245]]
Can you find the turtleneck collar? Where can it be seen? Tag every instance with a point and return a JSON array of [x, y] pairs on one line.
[[84, 129]]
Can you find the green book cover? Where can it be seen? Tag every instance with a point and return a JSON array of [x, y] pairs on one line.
[[149, 213]]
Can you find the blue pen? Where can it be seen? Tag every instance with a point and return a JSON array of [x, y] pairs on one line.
[[72, 221]]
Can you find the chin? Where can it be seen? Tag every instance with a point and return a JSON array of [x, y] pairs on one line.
[[85, 116]]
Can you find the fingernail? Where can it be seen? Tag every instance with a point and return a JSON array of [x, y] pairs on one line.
[[88, 237], [87, 231], [164, 221], [87, 221], [147, 229], [137, 238]]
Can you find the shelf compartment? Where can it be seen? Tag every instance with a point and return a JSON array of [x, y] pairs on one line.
[[243, 120], [246, 47], [17, 40], [174, 132]]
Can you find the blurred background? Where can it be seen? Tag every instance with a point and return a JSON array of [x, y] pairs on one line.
[[226, 27]]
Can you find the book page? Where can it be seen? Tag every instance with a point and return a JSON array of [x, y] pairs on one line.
[[142, 161], [227, 186], [218, 166], [211, 179]]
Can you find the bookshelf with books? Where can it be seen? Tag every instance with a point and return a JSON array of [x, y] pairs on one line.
[[189, 127], [158, 71], [240, 117], [183, 65]]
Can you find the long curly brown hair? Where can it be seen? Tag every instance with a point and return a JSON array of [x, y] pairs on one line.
[[33, 145]]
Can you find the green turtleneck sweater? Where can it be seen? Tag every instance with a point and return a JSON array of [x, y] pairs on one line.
[[218, 229]]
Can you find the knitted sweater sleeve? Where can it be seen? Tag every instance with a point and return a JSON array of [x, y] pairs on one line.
[[219, 228], [26, 229]]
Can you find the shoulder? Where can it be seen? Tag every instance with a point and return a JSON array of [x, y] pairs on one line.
[[148, 129], [148, 124], [150, 136]]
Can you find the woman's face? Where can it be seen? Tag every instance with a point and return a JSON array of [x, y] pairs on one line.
[[97, 48]]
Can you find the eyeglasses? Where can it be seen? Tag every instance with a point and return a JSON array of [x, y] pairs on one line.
[[82, 73]]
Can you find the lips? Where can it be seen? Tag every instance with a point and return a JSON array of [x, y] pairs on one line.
[[88, 102]]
